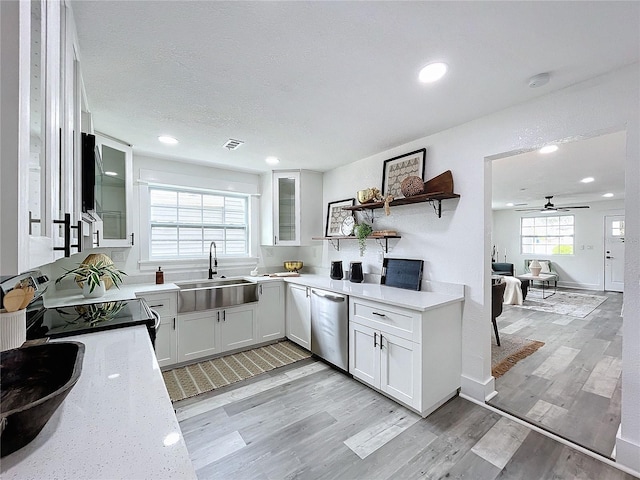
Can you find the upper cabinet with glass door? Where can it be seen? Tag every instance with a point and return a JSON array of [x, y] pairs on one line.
[[291, 207], [114, 192]]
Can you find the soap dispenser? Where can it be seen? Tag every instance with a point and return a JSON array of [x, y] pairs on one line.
[[159, 276]]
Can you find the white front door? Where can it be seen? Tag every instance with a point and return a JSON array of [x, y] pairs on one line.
[[614, 253]]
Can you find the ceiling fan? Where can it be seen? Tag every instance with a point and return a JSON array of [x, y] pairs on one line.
[[550, 207]]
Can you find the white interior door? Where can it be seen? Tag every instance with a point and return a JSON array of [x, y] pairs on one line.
[[614, 253]]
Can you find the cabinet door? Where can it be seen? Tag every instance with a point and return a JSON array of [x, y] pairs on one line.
[[286, 208], [364, 354], [114, 189], [238, 327], [197, 335], [399, 369], [298, 316], [167, 342], [270, 311], [165, 305]]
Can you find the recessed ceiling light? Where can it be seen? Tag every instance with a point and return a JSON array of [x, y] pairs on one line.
[[510, 204], [167, 139], [548, 149], [608, 195], [432, 72], [587, 180], [111, 174], [272, 160]]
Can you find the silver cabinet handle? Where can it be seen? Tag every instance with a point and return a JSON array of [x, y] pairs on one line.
[[379, 314], [381, 345], [218, 316], [174, 323], [375, 339], [224, 315]]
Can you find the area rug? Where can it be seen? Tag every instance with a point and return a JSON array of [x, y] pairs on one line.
[[564, 303], [512, 349], [192, 380]]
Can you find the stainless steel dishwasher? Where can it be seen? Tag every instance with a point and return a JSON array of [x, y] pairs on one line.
[[330, 327]]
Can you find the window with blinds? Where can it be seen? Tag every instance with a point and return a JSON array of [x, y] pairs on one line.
[[183, 223]]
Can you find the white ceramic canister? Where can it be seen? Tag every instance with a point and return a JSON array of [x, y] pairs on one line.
[[13, 329]]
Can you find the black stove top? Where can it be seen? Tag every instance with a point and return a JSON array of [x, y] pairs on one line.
[[88, 318]]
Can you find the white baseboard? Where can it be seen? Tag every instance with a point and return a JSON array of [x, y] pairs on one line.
[[628, 454], [481, 391], [581, 286]]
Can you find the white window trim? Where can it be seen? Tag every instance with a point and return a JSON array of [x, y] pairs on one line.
[[146, 263]]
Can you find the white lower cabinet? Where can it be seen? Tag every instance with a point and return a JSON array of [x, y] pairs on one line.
[[298, 315], [238, 326], [166, 345], [198, 334], [206, 333], [271, 311], [411, 356]]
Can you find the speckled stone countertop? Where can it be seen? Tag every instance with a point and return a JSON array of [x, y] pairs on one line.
[[117, 421], [421, 301]]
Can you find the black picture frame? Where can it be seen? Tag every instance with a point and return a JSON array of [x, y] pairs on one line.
[[336, 215], [396, 169]]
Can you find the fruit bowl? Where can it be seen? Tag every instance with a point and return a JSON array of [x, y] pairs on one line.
[[293, 265]]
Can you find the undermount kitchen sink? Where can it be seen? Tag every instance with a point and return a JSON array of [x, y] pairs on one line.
[[215, 293], [35, 380]]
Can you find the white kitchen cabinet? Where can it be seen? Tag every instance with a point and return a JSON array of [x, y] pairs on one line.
[[271, 324], [209, 332], [298, 315], [238, 326], [114, 193], [291, 207], [165, 304], [198, 335], [40, 83], [411, 356]]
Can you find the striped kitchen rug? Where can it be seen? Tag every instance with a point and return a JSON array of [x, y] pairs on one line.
[[192, 380]]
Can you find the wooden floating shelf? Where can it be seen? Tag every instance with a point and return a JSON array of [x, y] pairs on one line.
[[425, 197], [335, 241]]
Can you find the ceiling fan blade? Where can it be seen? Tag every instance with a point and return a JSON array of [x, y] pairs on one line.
[[527, 209]]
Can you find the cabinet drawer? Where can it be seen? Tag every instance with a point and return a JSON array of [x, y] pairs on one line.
[[402, 323], [166, 304]]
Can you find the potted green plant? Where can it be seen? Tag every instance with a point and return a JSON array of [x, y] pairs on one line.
[[90, 277], [362, 231]]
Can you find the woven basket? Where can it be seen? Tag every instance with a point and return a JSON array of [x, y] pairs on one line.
[[411, 186]]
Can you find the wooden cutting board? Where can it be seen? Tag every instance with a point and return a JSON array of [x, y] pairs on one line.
[[14, 299]]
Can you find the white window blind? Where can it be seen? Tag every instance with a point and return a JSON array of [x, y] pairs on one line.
[[548, 235], [183, 223]]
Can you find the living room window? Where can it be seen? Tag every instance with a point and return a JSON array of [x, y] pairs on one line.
[[547, 235], [183, 223]]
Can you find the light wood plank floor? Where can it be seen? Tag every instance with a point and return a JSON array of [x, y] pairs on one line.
[[310, 421], [572, 385]]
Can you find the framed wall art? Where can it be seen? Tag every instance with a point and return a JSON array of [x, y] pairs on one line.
[[336, 216], [396, 169]]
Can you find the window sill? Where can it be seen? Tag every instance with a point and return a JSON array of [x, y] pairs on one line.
[[178, 264]]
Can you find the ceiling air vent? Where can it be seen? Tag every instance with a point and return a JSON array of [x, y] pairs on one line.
[[232, 144]]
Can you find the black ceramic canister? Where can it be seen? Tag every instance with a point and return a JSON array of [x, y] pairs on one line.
[[356, 275], [336, 270]]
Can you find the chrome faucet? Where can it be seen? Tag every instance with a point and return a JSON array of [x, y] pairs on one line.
[[213, 260]]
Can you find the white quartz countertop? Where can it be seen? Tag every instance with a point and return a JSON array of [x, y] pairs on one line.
[[116, 422], [61, 298], [421, 301]]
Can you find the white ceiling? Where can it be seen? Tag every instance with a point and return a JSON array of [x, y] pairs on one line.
[[321, 84], [527, 178]]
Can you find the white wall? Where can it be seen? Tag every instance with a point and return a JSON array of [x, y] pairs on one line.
[[456, 247], [584, 269]]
